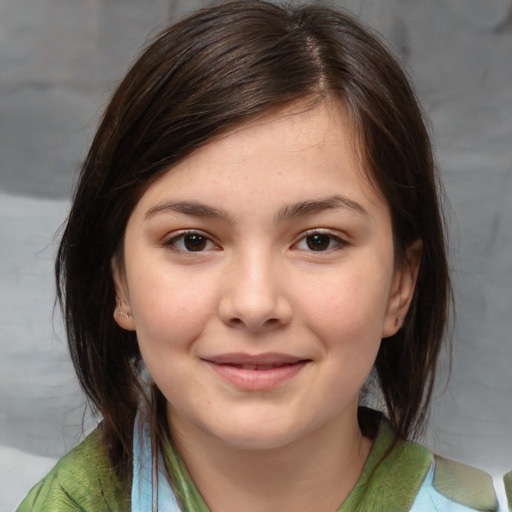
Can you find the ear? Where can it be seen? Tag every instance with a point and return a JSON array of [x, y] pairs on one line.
[[122, 311], [402, 289]]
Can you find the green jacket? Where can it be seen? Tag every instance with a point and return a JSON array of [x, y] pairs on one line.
[[83, 480]]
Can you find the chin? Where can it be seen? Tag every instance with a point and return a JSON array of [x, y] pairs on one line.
[[257, 435], [257, 441]]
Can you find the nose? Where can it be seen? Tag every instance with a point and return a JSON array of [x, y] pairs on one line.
[[254, 296]]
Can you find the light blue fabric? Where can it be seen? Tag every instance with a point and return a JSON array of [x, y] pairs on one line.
[[151, 491], [430, 500]]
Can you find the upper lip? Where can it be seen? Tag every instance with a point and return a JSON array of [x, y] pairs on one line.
[[269, 358]]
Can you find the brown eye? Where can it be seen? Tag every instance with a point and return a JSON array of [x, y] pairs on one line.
[[191, 241], [318, 242], [194, 242]]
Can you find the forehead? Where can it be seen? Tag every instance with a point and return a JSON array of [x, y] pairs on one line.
[[304, 150], [315, 119]]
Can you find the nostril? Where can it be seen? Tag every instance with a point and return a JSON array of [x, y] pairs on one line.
[[266, 324]]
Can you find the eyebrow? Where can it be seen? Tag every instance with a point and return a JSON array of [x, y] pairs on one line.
[[299, 209], [189, 208], [310, 207]]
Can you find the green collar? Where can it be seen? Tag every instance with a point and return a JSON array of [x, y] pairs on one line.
[[391, 477], [184, 488]]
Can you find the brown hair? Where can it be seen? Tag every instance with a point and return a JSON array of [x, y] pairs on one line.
[[214, 70]]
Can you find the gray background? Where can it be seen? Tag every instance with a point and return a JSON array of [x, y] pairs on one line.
[[59, 62]]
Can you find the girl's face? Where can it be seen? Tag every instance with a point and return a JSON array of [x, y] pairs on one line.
[[260, 277]]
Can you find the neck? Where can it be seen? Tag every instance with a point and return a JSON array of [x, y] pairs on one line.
[[314, 473]]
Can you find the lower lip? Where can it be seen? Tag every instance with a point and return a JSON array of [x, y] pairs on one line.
[[257, 380]]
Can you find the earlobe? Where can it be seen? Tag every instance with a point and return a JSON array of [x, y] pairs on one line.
[[402, 289], [122, 311], [123, 315]]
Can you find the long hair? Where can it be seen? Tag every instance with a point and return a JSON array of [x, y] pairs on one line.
[[204, 75]]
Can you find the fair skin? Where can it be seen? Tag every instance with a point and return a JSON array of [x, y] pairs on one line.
[[260, 276]]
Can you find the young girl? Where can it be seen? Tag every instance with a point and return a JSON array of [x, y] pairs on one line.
[[256, 228]]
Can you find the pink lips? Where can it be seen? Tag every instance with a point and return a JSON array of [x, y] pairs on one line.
[[256, 372]]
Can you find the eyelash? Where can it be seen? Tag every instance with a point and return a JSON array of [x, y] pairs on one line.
[[202, 237]]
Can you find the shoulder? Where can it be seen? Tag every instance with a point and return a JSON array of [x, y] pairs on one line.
[[82, 480], [455, 487]]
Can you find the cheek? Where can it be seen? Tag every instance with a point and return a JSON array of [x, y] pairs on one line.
[[349, 301], [169, 311], [169, 317]]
